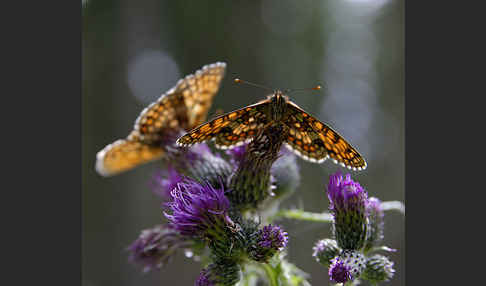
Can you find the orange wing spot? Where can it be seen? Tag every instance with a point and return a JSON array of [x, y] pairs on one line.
[[232, 115], [298, 142], [318, 125], [205, 128]]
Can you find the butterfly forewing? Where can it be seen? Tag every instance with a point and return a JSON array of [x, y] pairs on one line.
[[181, 108], [315, 141], [231, 129]]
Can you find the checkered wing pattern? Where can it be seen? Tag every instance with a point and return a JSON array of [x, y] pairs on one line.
[[315, 141], [230, 130], [181, 108]]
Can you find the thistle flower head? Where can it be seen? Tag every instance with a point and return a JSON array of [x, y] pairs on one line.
[[269, 240], [339, 272], [165, 181], [198, 210], [154, 247], [273, 236], [347, 266], [325, 250], [348, 201]]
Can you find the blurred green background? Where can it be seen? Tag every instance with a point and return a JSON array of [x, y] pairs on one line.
[[133, 51]]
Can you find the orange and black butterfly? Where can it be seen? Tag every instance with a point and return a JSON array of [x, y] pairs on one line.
[[305, 135], [183, 107]]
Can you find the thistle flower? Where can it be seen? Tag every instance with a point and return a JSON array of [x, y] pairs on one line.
[[222, 272], [378, 269], [325, 250], [251, 183], [347, 266], [165, 181], [198, 210], [269, 240], [154, 247], [348, 201], [376, 222]]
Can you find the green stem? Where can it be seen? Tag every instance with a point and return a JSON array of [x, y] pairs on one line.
[[303, 215], [272, 278]]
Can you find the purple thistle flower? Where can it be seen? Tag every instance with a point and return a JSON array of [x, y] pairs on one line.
[[347, 266], [165, 181], [348, 201], [273, 236], [345, 194], [269, 240], [154, 247], [339, 272], [198, 210]]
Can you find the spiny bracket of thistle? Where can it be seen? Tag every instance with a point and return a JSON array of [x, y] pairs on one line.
[[251, 183]]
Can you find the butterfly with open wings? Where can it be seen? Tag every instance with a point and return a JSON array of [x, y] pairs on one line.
[[305, 135], [183, 107]]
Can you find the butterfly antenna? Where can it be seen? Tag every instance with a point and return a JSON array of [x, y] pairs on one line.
[[237, 80], [317, 87]]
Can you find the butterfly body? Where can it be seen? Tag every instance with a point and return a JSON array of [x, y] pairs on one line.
[[304, 134], [181, 108]]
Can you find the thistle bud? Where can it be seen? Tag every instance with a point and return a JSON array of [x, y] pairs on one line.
[[348, 202], [220, 273], [378, 269], [325, 250]]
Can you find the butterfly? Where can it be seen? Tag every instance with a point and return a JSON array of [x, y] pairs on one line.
[[183, 107], [309, 138]]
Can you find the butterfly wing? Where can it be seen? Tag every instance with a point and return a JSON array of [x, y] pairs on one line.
[[198, 91], [231, 129], [123, 155], [315, 141], [181, 108]]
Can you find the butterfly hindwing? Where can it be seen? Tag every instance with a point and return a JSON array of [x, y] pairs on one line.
[[231, 129], [123, 155], [315, 141]]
